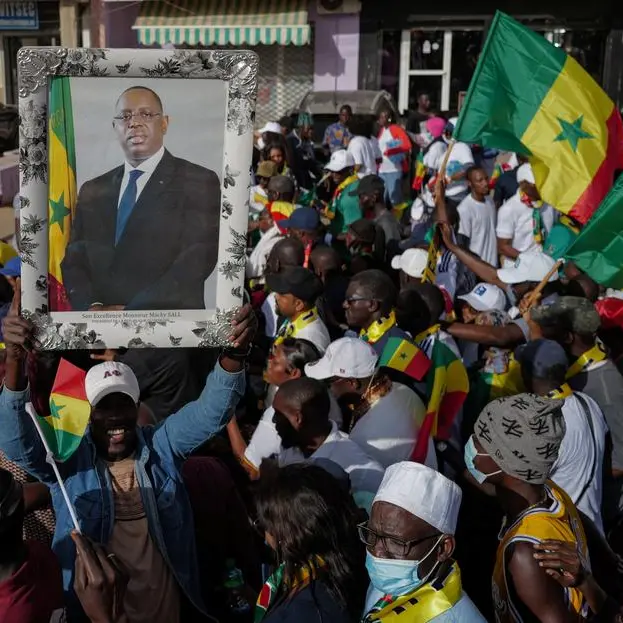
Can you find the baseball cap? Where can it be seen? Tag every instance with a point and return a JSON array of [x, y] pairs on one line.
[[266, 168], [484, 297], [348, 358], [540, 356], [298, 281], [529, 266], [110, 377], [412, 261], [271, 126], [13, 268], [525, 173], [368, 185], [574, 313], [303, 218], [423, 492], [339, 161]]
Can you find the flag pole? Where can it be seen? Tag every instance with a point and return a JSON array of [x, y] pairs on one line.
[[49, 458], [532, 297]]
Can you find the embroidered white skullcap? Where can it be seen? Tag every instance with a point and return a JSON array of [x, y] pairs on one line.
[[423, 492]]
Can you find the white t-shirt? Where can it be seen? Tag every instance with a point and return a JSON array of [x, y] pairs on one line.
[[390, 164], [265, 440], [256, 262], [434, 156], [388, 432], [515, 224], [581, 455], [477, 222], [364, 472], [460, 158], [362, 151], [255, 204], [315, 332], [269, 309]]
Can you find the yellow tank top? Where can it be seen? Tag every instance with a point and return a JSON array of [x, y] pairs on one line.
[[559, 520]]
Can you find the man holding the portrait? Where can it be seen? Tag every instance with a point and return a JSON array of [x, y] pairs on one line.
[[145, 234]]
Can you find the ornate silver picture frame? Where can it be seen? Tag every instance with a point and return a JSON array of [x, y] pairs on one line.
[[113, 261]]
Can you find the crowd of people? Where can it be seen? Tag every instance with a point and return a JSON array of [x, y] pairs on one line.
[[417, 418]]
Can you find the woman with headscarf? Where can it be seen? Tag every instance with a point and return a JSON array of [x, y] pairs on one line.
[[310, 521]]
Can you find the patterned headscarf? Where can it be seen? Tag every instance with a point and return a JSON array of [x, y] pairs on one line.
[[304, 119], [522, 434]]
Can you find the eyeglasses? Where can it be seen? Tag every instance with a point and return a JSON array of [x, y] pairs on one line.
[[143, 115], [392, 544]]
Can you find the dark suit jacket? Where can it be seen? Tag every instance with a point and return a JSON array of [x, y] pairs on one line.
[[167, 250]]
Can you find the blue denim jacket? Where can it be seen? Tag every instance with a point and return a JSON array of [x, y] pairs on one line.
[[159, 456]]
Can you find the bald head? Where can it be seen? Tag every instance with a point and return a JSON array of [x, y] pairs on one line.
[[326, 260], [288, 252], [310, 397], [282, 187]]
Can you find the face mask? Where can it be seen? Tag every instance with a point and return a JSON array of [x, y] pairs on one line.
[[285, 430], [397, 577], [469, 455]]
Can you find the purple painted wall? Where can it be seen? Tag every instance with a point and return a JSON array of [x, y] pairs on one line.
[[120, 17], [336, 51]]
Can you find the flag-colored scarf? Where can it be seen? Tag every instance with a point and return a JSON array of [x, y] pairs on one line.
[[330, 210]]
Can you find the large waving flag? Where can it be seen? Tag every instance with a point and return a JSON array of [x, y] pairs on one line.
[[62, 187], [446, 387], [598, 249], [528, 96], [69, 415]]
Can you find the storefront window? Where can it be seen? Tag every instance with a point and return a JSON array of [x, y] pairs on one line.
[[427, 49]]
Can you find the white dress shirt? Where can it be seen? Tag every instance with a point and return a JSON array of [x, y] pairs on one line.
[[147, 167]]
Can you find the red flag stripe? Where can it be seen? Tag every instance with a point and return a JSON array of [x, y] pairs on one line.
[[602, 182]]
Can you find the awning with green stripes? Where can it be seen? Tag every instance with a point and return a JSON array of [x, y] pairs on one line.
[[222, 22]]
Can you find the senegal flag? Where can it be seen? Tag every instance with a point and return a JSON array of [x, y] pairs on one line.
[[62, 187], [598, 249], [420, 172], [529, 97], [446, 388], [404, 356], [69, 412]]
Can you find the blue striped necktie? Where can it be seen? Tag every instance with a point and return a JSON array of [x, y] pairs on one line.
[[127, 203]]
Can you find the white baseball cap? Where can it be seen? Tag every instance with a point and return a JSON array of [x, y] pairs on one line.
[[271, 126], [412, 261], [348, 358], [340, 160], [110, 377], [484, 297], [423, 492], [525, 173], [529, 266]]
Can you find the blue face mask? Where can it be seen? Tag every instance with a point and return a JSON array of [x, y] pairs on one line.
[[397, 577], [469, 454]]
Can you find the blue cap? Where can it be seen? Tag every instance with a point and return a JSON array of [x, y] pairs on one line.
[[13, 268], [306, 219], [540, 356]]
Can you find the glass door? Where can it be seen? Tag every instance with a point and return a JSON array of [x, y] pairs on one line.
[[425, 63]]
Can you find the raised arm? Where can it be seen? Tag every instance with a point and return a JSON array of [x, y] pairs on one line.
[[483, 270], [19, 439], [201, 419]]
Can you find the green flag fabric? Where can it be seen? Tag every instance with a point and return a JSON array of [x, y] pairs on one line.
[[598, 250]]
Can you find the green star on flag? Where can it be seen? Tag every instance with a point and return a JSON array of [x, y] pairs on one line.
[[55, 409], [572, 132], [59, 212]]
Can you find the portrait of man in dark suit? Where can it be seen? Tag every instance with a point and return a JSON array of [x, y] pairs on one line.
[[145, 234]]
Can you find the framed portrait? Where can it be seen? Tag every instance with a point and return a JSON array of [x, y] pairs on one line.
[[134, 175]]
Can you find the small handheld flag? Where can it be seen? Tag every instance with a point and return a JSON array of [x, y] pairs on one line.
[[404, 356], [69, 412]]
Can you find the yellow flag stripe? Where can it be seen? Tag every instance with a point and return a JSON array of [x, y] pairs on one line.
[[574, 98], [72, 414], [62, 187]]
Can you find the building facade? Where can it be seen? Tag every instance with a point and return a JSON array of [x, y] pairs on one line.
[[302, 44], [411, 48]]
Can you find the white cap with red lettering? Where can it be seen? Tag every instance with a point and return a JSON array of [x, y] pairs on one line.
[[110, 377]]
